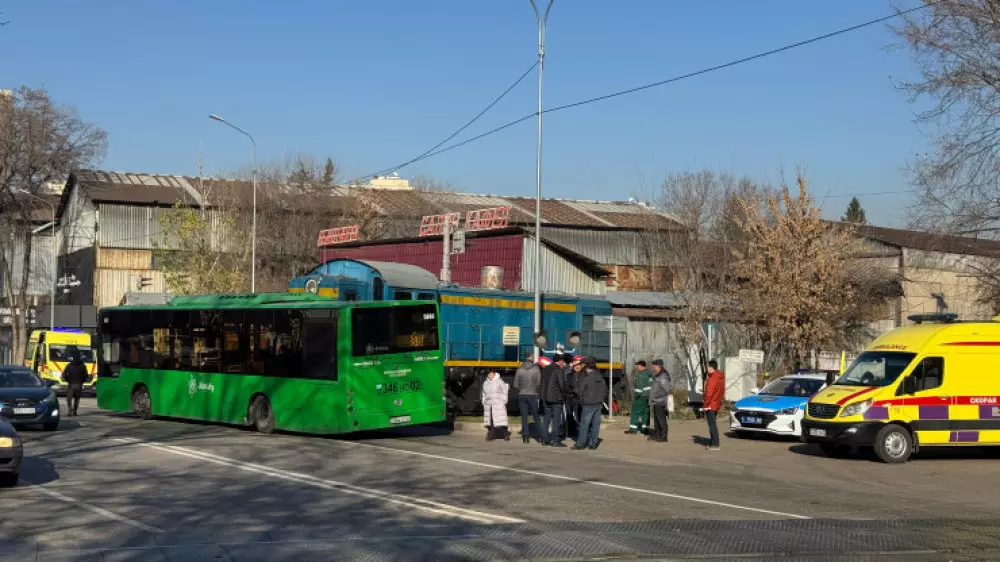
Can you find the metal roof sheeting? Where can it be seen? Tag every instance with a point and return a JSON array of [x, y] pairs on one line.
[[166, 190]]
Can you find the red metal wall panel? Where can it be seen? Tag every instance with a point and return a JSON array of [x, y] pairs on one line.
[[505, 251]]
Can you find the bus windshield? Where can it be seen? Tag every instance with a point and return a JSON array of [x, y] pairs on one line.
[[876, 368]]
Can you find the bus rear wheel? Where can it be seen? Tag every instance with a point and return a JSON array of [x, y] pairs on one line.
[[261, 415], [141, 404]]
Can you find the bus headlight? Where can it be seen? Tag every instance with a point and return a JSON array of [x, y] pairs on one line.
[[856, 409]]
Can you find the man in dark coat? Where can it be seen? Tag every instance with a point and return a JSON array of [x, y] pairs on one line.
[[75, 375], [553, 395], [591, 391]]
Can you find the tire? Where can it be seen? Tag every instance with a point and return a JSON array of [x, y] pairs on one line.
[[8, 479], [142, 405], [261, 415], [50, 426], [893, 444], [834, 450]]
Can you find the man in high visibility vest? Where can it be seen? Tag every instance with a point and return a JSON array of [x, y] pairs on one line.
[[640, 403]]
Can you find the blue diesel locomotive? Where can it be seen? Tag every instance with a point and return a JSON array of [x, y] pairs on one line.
[[482, 328]]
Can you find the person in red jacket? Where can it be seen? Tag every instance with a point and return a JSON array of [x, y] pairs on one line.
[[715, 387]]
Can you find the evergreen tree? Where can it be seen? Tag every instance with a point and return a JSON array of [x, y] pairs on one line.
[[855, 213], [329, 173]]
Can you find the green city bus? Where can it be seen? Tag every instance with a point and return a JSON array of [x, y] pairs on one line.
[[301, 363]]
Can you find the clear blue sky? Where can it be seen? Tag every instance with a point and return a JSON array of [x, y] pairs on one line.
[[373, 83]]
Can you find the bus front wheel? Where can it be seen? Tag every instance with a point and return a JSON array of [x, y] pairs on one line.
[[141, 405], [261, 415]]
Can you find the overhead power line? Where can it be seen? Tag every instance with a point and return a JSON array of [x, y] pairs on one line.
[[436, 150], [457, 132]]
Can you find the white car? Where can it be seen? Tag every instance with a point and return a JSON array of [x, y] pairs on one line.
[[777, 408]]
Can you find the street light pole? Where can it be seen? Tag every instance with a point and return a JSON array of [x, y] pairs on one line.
[[253, 221], [542, 20], [55, 259]]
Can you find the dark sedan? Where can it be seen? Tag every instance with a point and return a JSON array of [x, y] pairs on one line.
[[10, 452], [28, 398]]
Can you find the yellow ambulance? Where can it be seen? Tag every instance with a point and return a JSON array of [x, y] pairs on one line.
[[936, 383], [49, 351]]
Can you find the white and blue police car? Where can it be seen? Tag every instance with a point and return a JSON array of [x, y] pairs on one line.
[[777, 408]]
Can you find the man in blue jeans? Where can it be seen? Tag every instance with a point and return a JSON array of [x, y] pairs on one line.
[[591, 391], [527, 380]]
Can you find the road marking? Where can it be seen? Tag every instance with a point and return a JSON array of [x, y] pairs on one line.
[[583, 481], [92, 508], [437, 508]]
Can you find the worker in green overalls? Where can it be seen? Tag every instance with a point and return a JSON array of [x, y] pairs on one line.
[[640, 402]]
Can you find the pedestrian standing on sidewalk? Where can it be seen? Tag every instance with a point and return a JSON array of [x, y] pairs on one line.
[[494, 398], [526, 381], [591, 391], [640, 401], [715, 387], [659, 397], [553, 395]]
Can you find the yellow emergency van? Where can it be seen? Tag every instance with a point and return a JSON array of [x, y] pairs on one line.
[[936, 383], [49, 351]]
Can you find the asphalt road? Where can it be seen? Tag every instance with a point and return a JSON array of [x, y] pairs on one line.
[[110, 487]]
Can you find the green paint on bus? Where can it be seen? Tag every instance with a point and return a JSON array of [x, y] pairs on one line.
[[322, 366]]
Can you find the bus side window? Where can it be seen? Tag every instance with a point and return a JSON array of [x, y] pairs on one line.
[[319, 344], [286, 349]]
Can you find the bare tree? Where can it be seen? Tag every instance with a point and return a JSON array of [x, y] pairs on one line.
[[955, 45], [426, 183], [40, 142], [206, 250], [794, 277]]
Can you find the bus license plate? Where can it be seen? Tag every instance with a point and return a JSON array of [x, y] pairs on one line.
[[22, 411], [399, 419], [817, 432]]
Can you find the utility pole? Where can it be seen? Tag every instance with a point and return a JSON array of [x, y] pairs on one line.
[[542, 20]]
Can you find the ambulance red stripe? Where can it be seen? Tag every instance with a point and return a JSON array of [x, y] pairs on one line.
[[858, 393]]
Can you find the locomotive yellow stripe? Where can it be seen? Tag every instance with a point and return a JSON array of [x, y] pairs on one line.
[[323, 291], [506, 303]]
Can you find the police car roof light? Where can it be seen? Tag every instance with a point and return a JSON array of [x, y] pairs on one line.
[[947, 318]]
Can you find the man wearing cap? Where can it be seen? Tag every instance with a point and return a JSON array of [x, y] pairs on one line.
[[591, 391], [552, 393], [640, 403], [571, 405], [659, 397]]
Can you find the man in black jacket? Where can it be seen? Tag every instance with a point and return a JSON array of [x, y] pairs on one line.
[[591, 391], [553, 395], [75, 374]]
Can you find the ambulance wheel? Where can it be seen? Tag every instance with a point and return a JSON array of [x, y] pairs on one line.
[[893, 444]]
